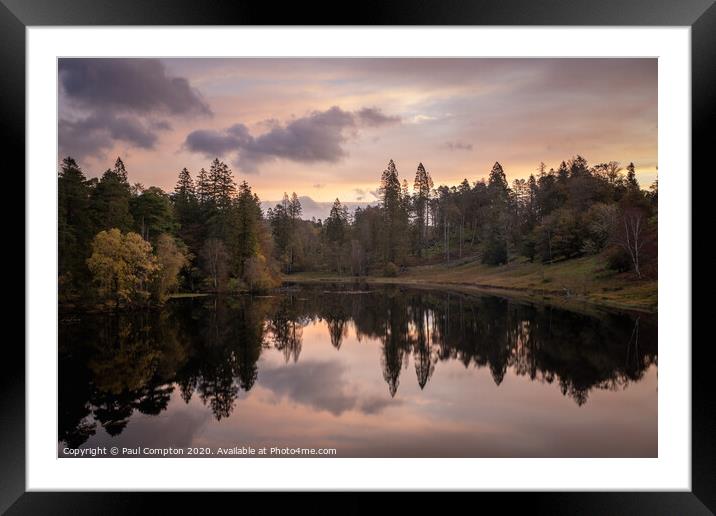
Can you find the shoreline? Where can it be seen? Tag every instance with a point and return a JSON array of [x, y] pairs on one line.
[[574, 303], [632, 297]]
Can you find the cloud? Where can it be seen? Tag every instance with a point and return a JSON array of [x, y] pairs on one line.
[[98, 132], [322, 386], [458, 145], [137, 85], [105, 101], [319, 186], [419, 119], [374, 117], [319, 136], [360, 194]]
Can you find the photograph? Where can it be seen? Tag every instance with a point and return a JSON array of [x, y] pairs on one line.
[[338, 257]]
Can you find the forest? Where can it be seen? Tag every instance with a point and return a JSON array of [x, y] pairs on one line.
[[124, 245]]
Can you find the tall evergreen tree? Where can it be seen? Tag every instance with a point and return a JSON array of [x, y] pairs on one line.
[[152, 213], [395, 216], [632, 183], [495, 251], [110, 200], [247, 227], [203, 193], [294, 207], [75, 228], [184, 193], [120, 170], [222, 187], [422, 186]]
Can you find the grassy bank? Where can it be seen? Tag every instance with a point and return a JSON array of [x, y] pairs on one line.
[[579, 281]]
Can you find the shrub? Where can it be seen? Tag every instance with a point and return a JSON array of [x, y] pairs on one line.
[[258, 276], [390, 270], [495, 252], [618, 259], [528, 247]]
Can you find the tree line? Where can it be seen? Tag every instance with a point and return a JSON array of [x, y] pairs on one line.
[[553, 215], [122, 244], [126, 245]]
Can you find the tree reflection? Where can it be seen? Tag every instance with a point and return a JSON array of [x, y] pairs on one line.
[[112, 366]]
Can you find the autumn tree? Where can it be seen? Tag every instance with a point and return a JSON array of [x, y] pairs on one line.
[[631, 235], [215, 263], [171, 257], [122, 267]]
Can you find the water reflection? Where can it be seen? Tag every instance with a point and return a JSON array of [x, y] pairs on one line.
[[113, 367]]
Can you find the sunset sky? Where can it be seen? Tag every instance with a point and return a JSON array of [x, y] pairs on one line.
[[326, 128]]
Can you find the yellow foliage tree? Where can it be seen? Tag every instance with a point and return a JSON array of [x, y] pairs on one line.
[[171, 258], [122, 266]]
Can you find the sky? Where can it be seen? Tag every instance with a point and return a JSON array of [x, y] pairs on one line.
[[327, 127]]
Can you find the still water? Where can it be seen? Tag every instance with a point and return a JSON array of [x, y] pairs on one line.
[[370, 372]]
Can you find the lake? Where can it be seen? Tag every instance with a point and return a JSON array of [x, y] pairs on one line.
[[365, 370]]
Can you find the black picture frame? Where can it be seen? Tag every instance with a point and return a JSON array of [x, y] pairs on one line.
[[16, 15]]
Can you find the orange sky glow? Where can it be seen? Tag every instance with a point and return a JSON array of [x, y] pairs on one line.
[[326, 128]]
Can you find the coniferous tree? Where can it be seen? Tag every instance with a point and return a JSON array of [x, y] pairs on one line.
[[203, 193], [422, 186], [152, 213], [496, 251], [336, 228], [247, 231], [395, 217], [110, 200], [184, 197], [75, 228], [631, 181], [120, 170]]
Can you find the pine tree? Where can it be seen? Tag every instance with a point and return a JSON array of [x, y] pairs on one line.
[[75, 228], [497, 182], [395, 216], [186, 207], [632, 183], [248, 219], [498, 218], [390, 190], [222, 187], [110, 200], [336, 227], [184, 192], [336, 223], [203, 193], [422, 186], [294, 207], [120, 170]]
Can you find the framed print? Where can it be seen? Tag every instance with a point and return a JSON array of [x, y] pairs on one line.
[[427, 248]]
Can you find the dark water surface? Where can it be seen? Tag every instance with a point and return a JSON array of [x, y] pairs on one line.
[[385, 372]]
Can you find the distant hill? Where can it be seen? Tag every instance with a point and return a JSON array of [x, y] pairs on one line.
[[317, 209]]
